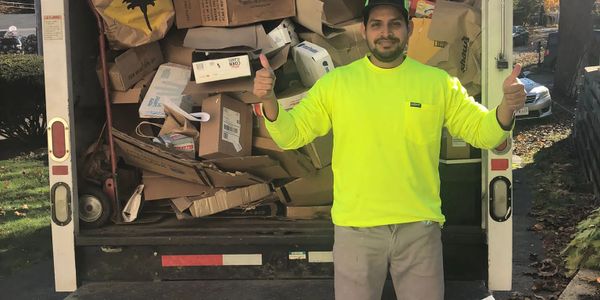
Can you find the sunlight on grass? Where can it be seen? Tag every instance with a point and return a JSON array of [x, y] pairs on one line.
[[24, 213]]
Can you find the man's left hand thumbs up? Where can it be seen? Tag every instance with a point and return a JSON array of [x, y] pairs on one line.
[[514, 91]]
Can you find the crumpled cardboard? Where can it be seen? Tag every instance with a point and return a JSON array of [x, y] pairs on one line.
[[226, 13], [131, 66], [238, 39], [225, 199], [311, 190], [323, 17], [345, 47], [155, 158], [458, 24]]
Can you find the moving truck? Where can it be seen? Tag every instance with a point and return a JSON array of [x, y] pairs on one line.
[[476, 192]]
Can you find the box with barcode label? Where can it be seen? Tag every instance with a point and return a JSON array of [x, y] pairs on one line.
[[228, 133], [453, 147], [221, 69]]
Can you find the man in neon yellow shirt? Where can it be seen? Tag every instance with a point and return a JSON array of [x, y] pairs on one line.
[[386, 112]]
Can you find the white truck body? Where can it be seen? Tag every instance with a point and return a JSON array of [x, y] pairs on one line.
[[73, 97]]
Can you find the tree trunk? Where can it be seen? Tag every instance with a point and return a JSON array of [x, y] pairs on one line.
[[575, 35]]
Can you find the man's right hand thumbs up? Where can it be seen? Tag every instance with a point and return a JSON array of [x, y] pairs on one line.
[[264, 80], [263, 89]]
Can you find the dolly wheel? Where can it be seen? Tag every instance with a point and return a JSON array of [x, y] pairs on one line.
[[94, 207]]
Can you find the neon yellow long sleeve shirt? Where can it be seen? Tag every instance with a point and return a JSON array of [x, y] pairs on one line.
[[387, 128]]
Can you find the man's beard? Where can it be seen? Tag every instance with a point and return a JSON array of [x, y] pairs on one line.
[[388, 56]]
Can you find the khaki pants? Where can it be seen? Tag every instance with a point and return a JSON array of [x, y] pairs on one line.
[[411, 252]]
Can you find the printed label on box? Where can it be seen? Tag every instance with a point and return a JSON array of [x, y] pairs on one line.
[[456, 142], [231, 128]]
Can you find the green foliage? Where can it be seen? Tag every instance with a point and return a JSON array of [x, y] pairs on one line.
[[22, 98], [584, 249]]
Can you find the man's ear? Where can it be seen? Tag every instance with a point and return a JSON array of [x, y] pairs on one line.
[[363, 30]]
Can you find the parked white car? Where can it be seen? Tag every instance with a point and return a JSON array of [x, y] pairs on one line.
[[538, 103]]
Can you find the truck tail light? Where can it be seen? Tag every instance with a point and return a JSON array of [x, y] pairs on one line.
[[58, 140], [60, 195], [500, 199]]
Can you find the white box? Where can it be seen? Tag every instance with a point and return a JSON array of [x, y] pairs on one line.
[[221, 69], [312, 62], [284, 34], [168, 85]]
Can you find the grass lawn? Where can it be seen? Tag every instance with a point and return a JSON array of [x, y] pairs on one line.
[[24, 213]]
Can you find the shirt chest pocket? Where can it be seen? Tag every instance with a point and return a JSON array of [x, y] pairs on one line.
[[422, 123]]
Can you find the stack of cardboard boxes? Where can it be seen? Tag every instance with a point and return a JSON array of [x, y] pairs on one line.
[[206, 64]]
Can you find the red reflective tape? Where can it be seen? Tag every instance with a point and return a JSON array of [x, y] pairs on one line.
[[500, 164], [191, 260], [60, 170], [59, 148], [257, 109]]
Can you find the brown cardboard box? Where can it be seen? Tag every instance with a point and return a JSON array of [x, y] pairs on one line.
[[131, 66], [158, 160], [157, 186], [420, 47], [320, 150], [308, 191], [262, 166], [454, 148], [174, 50], [260, 128], [244, 85], [192, 13], [308, 212], [134, 94], [229, 131], [344, 48], [223, 199], [294, 162], [237, 39], [324, 17]]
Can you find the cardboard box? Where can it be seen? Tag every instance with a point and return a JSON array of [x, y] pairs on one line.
[[287, 77], [221, 69], [308, 191], [238, 39], [276, 58], [320, 150], [308, 212], [168, 85], [260, 128], [323, 17], [284, 33], [420, 47], [135, 94], [229, 131], [344, 48], [312, 62], [131, 66], [295, 163], [261, 166], [224, 199], [193, 13], [292, 96], [155, 158], [454, 148], [157, 186], [174, 50]]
